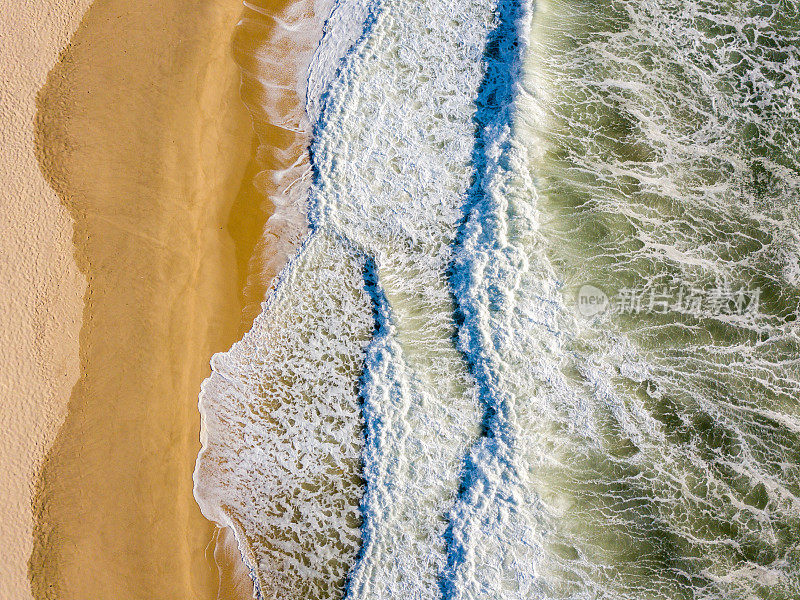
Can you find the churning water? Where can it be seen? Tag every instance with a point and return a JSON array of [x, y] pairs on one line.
[[541, 341]]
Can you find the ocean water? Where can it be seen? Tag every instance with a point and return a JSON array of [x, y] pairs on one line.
[[542, 338]]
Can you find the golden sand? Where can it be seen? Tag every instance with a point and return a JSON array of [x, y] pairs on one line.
[[141, 131]]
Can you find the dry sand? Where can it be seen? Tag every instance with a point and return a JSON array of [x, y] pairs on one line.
[[140, 130], [41, 288]]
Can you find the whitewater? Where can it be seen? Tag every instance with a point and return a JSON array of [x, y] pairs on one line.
[[541, 338]]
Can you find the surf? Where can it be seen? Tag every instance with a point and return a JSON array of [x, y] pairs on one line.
[[424, 409]]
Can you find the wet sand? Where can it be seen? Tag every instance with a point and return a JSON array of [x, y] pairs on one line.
[[141, 132], [273, 44]]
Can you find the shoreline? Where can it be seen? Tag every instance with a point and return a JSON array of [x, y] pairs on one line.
[[269, 47], [273, 45], [144, 136]]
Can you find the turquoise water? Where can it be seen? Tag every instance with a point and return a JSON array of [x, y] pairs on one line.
[[430, 407]]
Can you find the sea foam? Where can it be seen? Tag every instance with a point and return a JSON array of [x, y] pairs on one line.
[[421, 411]]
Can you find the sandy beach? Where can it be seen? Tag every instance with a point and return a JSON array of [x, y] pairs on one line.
[[42, 288], [125, 203], [539, 335]]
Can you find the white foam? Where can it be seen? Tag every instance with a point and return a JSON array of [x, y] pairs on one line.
[[281, 434], [393, 159]]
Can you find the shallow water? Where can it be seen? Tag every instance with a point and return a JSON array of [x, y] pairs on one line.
[[547, 313]]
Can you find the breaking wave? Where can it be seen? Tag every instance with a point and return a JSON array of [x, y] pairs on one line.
[[426, 409]]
